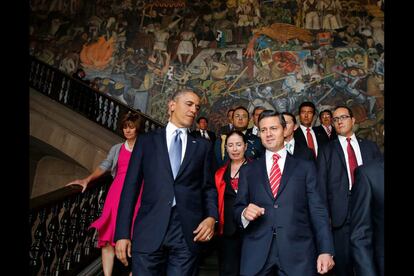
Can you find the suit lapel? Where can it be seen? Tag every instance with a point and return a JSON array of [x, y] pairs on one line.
[[338, 148], [288, 170], [161, 140], [362, 148], [189, 152], [263, 173]]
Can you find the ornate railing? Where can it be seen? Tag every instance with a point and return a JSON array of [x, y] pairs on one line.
[[75, 94], [61, 241]]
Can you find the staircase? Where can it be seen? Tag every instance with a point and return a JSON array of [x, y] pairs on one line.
[[60, 241]]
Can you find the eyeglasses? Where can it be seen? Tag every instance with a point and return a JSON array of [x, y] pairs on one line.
[[239, 116], [340, 118]]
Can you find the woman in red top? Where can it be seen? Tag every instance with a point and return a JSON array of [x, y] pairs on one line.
[[226, 179]]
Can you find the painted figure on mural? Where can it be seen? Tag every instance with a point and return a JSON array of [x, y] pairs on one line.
[[186, 46], [330, 13], [311, 16]]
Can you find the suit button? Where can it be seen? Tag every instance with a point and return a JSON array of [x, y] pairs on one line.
[[169, 203], [276, 206]]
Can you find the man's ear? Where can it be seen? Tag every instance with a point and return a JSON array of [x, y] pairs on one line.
[[171, 105]]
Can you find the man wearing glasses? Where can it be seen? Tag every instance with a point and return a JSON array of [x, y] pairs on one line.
[[336, 164]]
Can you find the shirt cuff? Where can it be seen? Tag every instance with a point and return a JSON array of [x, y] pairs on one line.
[[244, 221]]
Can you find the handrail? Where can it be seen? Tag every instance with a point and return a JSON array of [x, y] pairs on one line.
[[75, 94], [60, 238], [61, 243]]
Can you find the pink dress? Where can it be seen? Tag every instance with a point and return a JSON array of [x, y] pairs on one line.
[[105, 224]]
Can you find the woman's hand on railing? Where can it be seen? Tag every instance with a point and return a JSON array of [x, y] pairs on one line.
[[79, 182]]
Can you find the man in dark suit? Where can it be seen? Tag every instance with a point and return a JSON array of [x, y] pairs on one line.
[[202, 131], [367, 220], [305, 134], [285, 220], [297, 150], [254, 146], [228, 127], [325, 130], [179, 200], [336, 164], [255, 118]]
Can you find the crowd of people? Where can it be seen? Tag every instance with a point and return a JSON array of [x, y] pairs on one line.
[[280, 198]]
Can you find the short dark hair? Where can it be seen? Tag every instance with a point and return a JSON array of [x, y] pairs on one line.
[[347, 108], [271, 113], [259, 107], [200, 118], [325, 111], [238, 132], [242, 107], [310, 104], [131, 117], [291, 115], [230, 110], [182, 91]]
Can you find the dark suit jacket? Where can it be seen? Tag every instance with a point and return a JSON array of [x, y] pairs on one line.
[[300, 138], [225, 129], [324, 136], [333, 176], [211, 134], [194, 190], [298, 215], [303, 152], [367, 219]]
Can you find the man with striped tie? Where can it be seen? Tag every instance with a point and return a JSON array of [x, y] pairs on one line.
[[285, 219], [326, 131]]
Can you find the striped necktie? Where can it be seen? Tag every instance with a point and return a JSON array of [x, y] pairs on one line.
[[275, 175]]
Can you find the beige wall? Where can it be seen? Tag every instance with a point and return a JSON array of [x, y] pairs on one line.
[[69, 132]]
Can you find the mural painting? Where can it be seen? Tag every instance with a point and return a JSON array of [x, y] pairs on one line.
[[273, 53]]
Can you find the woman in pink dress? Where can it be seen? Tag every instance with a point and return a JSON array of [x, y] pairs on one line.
[[116, 161]]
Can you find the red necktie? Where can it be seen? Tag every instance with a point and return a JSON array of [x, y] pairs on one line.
[[310, 141], [328, 131], [351, 159], [275, 175]]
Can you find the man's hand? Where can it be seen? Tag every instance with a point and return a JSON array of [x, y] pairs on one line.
[[325, 263], [205, 230], [252, 212], [122, 248]]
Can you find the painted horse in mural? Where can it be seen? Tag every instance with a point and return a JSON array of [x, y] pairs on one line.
[[280, 32]]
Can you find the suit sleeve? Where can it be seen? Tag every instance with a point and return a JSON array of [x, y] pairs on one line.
[[318, 210], [209, 189], [130, 191], [322, 173], [361, 225]]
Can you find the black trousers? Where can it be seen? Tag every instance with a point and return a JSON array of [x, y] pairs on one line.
[[173, 258], [229, 253]]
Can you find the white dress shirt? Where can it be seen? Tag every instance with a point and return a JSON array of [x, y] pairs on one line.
[[255, 130], [357, 150], [204, 134], [292, 146]]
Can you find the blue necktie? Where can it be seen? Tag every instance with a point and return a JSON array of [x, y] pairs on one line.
[[175, 152]]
